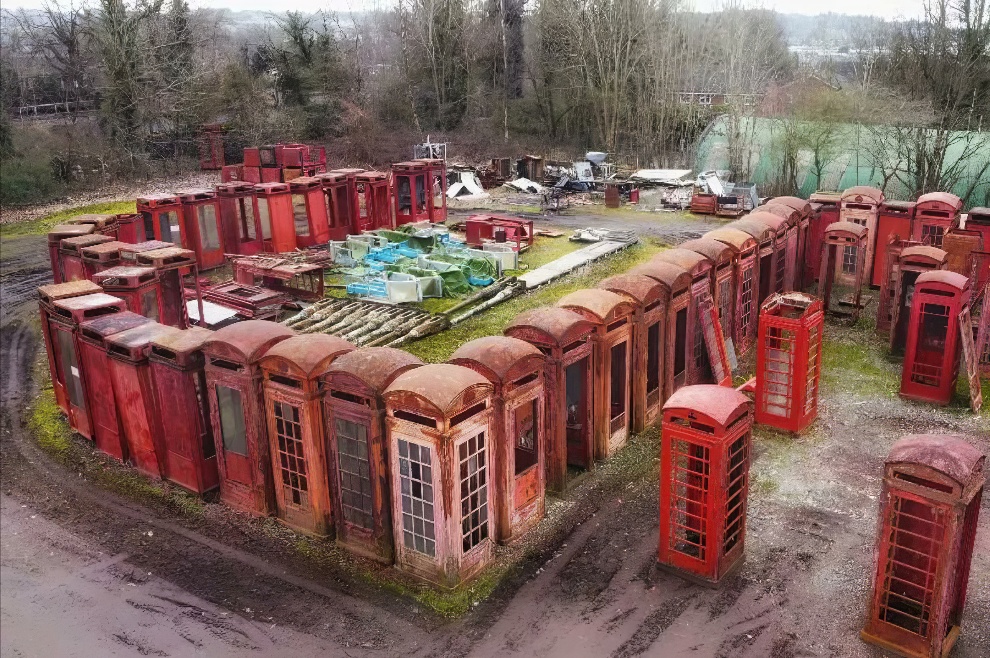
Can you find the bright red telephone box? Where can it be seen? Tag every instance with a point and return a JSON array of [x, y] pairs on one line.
[[309, 211], [278, 230], [242, 232], [201, 227], [162, 217]]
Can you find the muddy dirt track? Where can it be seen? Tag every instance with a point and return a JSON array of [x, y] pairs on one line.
[[85, 572]]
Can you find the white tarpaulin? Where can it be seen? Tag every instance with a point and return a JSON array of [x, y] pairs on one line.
[[664, 176], [467, 186], [526, 185]]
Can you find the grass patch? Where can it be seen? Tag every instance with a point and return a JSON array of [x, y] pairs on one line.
[[856, 363], [438, 347], [41, 225]]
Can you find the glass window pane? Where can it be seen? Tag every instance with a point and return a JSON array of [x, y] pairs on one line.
[[231, 420], [209, 232]]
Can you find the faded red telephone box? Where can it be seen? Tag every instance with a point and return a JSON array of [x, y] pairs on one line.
[[170, 263], [799, 244], [436, 187], [357, 448], [789, 361], [677, 349], [294, 412], [784, 256], [129, 253], [765, 236], [130, 228], [242, 232], [233, 380], [439, 420], [860, 205], [137, 286], [566, 339], [99, 257], [911, 262], [144, 431], [180, 392], [102, 224], [201, 227], [515, 369], [744, 280], [722, 257], [894, 220], [842, 239], [931, 357], [162, 217], [70, 254], [934, 214], [47, 296], [55, 236], [211, 147], [612, 316], [309, 210], [342, 202], [71, 383], [517, 233], [278, 230], [104, 412], [824, 213], [704, 481], [375, 207], [649, 298], [929, 512], [411, 192], [978, 220]]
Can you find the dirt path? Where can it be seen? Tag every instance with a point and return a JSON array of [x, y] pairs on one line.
[[76, 559]]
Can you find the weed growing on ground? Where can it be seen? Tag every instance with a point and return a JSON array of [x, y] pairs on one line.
[[41, 225]]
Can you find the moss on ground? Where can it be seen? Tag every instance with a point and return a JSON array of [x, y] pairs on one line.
[[41, 225], [854, 361]]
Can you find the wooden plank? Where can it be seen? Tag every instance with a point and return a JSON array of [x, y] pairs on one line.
[[972, 361], [718, 356]]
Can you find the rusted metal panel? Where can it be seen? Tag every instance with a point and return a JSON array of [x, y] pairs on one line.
[[962, 247], [929, 511], [704, 481], [931, 357]]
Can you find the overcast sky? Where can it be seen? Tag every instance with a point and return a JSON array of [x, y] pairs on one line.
[[883, 8]]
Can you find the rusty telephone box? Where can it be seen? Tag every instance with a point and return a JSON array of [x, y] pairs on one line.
[[929, 510], [278, 229], [766, 254], [649, 298], [860, 205], [169, 264], [412, 194], [137, 286], [612, 316], [55, 236], [162, 217], [704, 481], [309, 211], [789, 361], [799, 241], [436, 182], [374, 204], [934, 214], [47, 296], [237, 412], [357, 447], [824, 213], [566, 339], [722, 257], [294, 410], [439, 420], [99, 257], [201, 227], [70, 254], [515, 370], [677, 347], [894, 219], [841, 239], [103, 409], [744, 281], [785, 221], [242, 231], [179, 382], [911, 262], [932, 352]]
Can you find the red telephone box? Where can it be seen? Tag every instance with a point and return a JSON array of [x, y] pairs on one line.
[[784, 257], [934, 214], [649, 298], [70, 254], [341, 200], [978, 220], [439, 420], [744, 277], [137, 286], [894, 220], [911, 262], [237, 417], [841, 239], [789, 361], [211, 147], [515, 369], [294, 409], [170, 263], [677, 349], [144, 431], [411, 192], [278, 230], [309, 210], [242, 231], [722, 257], [47, 296], [929, 511], [357, 448], [799, 246], [180, 392], [102, 224], [99, 257], [162, 216], [766, 267], [70, 383], [103, 408], [436, 177], [55, 236], [860, 205], [794, 241], [129, 253], [566, 339], [931, 357], [130, 228], [375, 208], [201, 227], [612, 316], [704, 481], [824, 213]]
